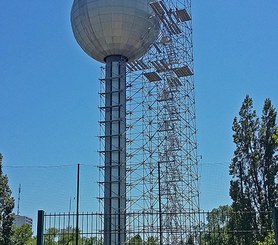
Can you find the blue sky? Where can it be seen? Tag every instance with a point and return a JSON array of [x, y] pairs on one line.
[[49, 95]]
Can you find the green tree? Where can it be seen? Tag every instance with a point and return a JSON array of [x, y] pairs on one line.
[[51, 236], [190, 241], [151, 241], [6, 208], [268, 167], [216, 229], [275, 136], [32, 241], [268, 240], [91, 241], [136, 240], [253, 169], [68, 237], [22, 235]]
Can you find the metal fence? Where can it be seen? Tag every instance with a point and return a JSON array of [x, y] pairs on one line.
[[144, 229]]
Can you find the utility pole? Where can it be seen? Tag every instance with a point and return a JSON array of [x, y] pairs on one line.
[[18, 199], [77, 204]]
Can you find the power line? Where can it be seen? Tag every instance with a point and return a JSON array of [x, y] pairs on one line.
[[215, 163], [224, 163], [45, 166]]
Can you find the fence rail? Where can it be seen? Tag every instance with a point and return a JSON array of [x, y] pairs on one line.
[[144, 228]]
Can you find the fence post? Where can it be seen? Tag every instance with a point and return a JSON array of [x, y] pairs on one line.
[[40, 227], [275, 218]]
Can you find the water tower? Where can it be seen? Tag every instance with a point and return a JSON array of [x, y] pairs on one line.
[[114, 32]]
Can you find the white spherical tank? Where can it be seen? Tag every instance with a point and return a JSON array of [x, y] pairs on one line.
[[114, 27]]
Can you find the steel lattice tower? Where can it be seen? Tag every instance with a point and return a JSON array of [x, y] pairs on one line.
[[162, 192]]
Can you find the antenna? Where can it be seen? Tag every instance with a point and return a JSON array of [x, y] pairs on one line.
[[18, 199]]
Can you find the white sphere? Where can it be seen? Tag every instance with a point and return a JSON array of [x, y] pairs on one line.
[[114, 27]]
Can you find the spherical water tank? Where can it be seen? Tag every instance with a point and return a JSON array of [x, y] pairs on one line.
[[114, 27]]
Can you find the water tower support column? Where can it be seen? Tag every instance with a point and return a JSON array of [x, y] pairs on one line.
[[115, 151]]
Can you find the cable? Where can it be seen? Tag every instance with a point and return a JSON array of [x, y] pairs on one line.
[[87, 164], [46, 166]]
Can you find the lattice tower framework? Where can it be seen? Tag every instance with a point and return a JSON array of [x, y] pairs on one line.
[[162, 178]]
